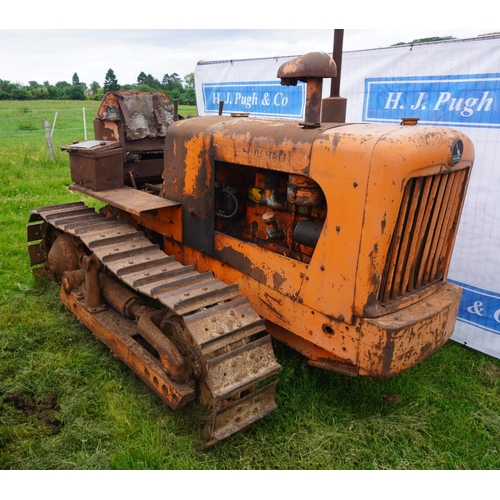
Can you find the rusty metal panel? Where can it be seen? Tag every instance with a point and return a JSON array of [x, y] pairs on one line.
[[144, 114], [128, 199], [97, 165], [395, 342]]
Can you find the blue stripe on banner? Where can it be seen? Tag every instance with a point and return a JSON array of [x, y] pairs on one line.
[[456, 100], [256, 98], [480, 308]]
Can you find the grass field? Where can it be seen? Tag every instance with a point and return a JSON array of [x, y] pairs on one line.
[[66, 403]]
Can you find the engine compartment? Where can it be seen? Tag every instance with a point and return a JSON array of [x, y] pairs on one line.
[[280, 212]]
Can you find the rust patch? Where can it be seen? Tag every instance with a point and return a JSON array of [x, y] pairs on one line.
[[278, 280], [242, 263], [388, 353], [266, 300]]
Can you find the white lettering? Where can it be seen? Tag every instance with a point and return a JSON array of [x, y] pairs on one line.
[[393, 101], [497, 315], [443, 97], [476, 308], [468, 109], [456, 104], [280, 99], [419, 102], [485, 101], [246, 101]]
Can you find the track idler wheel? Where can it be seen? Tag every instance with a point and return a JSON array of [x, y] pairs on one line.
[[62, 257]]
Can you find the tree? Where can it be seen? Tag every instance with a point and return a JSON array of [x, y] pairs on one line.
[[426, 40], [76, 93], [189, 81], [188, 96], [94, 87], [40, 93], [110, 82], [152, 82], [171, 82], [172, 85]]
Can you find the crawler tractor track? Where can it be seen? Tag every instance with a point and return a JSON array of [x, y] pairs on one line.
[[200, 344]]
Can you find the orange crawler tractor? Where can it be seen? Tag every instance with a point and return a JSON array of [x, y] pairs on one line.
[[218, 233]]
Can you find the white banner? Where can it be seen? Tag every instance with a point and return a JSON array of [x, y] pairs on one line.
[[455, 84]]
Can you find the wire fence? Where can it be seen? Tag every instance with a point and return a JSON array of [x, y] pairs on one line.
[[29, 125], [24, 125]]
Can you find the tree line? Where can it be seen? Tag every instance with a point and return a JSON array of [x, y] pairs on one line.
[[172, 85]]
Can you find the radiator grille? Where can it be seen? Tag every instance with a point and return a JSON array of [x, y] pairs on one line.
[[422, 242]]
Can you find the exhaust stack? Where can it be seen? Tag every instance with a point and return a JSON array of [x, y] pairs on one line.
[[310, 68]]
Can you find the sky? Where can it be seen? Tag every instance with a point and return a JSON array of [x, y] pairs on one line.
[[129, 39], [55, 55]]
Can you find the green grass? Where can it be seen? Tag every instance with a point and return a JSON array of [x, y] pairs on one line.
[[441, 414]]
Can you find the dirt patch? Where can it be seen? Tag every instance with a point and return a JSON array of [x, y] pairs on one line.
[[391, 399], [42, 410], [490, 374]]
